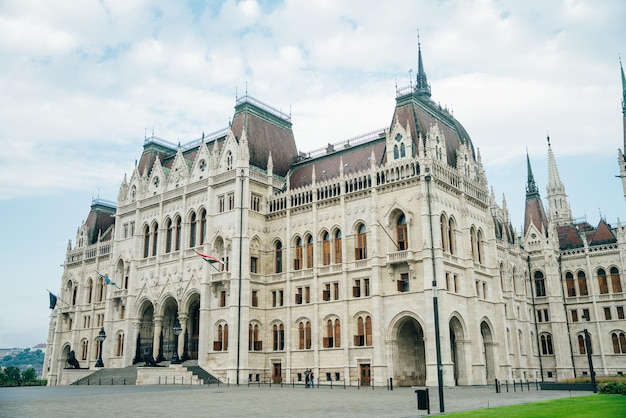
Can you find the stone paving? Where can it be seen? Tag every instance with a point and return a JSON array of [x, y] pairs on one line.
[[253, 401]]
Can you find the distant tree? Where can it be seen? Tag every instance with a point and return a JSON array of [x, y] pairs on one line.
[[3, 377], [13, 373], [29, 375]]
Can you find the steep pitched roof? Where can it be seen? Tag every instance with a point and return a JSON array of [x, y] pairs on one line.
[[100, 221], [569, 237], [602, 235]]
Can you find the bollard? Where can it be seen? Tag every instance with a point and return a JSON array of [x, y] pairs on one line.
[[391, 383], [507, 385], [331, 383], [358, 384], [521, 385], [514, 389]]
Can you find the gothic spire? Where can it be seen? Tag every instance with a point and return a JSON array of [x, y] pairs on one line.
[[422, 88], [623, 88], [558, 205], [531, 186]]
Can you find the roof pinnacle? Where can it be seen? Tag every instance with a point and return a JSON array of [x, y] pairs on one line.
[[422, 88]]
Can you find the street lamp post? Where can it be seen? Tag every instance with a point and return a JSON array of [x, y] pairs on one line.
[[100, 338], [177, 330], [589, 358]]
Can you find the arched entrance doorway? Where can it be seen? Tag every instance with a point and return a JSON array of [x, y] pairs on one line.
[[145, 337], [488, 343], [170, 316], [456, 350], [410, 356]]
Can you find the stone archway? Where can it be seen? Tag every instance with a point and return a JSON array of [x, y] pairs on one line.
[[410, 356], [145, 337], [457, 352], [193, 329], [488, 343], [170, 317]]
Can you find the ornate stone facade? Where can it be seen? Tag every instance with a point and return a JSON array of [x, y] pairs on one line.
[[333, 260]]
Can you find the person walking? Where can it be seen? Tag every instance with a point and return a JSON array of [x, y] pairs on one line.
[[306, 378], [312, 379]]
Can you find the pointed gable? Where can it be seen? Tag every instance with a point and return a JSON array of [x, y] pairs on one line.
[[568, 237], [602, 235], [100, 221]]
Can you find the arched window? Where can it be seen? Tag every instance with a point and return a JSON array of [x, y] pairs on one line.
[[602, 282], [479, 246], [616, 280], [100, 290], [177, 233], [74, 294], [582, 348], [473, 244], [304, 335], [401, 233], [361, 243], [155, 234], [309, 251], [297, 262], [119, 345], [333, 334], [89, 290], [146, 241], [582, 283], [619, 343], [396, 154], [364, 331], [325, 248], [279, 337], [546, 344], [451, 239], [193, 225], [540, 284], [221, 344], [84, 349], [570, 284], [402, 150], [202, 226], [443, 226], [278, 257], [253, 338], [168, 235], [338, 246]]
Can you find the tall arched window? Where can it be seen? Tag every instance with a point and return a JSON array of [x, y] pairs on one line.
[[396, 154], [337, 246], [540, 284], [364, 331], [325, 248], [278, 332], [89, 290], [582, 348], [278, 257], [297, 262], [401, 233], [570, 284], [304, 335], [602, 282], [616, 280], [473, 244], [253, 337], [202, 226], [168, 235], [619, 342], [84, 349], [155, 235], [546, 344], [402, 150], [146, 241], [443, 226], [309, 251], [479, 246], [582, 283], [451, 239], [333, 334], [221, 344], [100, 290], [177, 233], [193, 225], [361, 243], [119, 345]]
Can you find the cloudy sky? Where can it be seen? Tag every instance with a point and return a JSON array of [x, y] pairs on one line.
[[81, 83]]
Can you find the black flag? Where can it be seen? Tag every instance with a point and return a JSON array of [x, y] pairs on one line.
[[53, 300]]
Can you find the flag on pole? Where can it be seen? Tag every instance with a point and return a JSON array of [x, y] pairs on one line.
[[210, 259], [53, 300], [107, 280]]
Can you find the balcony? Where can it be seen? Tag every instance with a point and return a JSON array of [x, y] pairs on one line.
[[399, 256]]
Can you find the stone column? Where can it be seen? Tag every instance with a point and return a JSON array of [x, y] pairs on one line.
[[182, 348], [136, 327], [158, 326]]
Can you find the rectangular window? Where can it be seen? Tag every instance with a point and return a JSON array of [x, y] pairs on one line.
[[336, 291], [447, 281], [403, 283], [299, 296], [125, 230], [255, 298], [574, 313], [620, 312], [222, 298], [477, 288], [274, 295], [366, 287], [253, 264], [122, 311], [545, 315], [586, 314], [221, 204], [326, 292], [132, 229], [456, 283], [607, 313], [307, 294], [356, 289], [539, 316]]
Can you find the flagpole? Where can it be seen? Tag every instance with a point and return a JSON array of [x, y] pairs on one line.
[[58, 298]]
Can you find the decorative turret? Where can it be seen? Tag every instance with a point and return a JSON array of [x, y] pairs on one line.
[[558, 206]]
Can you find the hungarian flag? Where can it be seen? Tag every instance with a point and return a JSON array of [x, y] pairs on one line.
[[210, 259]]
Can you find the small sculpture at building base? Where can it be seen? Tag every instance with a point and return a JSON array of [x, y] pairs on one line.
[[71, 359]]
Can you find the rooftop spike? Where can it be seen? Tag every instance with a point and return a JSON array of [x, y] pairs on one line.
[[421, 82], [623, 87], [531, 186]]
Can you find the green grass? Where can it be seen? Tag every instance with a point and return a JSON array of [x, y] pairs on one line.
[[613, 406]]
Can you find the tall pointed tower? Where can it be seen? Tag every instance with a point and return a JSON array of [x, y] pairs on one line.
[[621, 159], [422, 88], [558, 206], [534, 215]]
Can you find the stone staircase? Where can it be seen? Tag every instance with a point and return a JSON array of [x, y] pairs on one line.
[[125, 376], [208, 378]]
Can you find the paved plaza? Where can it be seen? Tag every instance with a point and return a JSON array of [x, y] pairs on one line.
[[253, 401]]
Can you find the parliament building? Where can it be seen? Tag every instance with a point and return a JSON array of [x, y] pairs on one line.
[[345, 260]]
